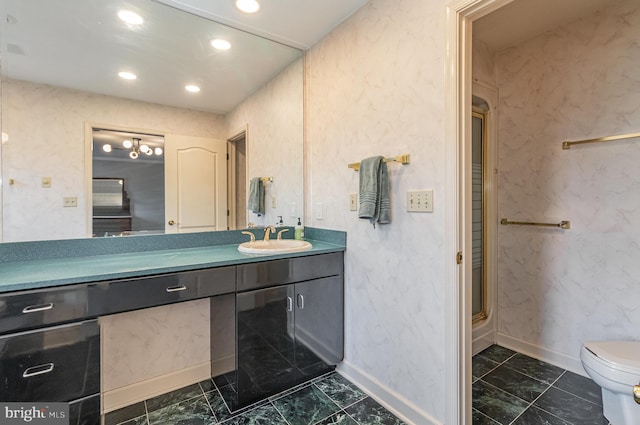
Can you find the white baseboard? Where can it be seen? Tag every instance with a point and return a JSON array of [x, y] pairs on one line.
[[482, 340], [555, 358], [391, 400], [143, 390]]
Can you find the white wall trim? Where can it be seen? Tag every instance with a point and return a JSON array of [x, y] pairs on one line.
[[143, 390], [390, 399], [572, 364], [458, 88]]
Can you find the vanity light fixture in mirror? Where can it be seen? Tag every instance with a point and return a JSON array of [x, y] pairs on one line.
[[49, 95]]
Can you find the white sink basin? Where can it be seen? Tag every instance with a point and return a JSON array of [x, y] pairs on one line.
[[275, 246]]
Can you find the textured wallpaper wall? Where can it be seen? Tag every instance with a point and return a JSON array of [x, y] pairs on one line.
[[560, 288], [375, 86], [46, 138]]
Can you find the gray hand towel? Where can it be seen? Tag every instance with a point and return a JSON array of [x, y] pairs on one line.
[[255, 201], [374, 191]]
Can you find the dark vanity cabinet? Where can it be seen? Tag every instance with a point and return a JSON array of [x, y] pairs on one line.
[[286, 315], [290, 323], [43, 357]]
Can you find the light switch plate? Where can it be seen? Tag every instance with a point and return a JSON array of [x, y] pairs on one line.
[[319, 207], [353, 202], [420, 200]]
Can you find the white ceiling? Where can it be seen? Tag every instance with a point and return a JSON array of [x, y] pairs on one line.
[[298, 23], [82, 45], [522, 20]]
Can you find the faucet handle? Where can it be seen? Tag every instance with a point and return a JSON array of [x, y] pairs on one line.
[[253, 237], [281, 232]]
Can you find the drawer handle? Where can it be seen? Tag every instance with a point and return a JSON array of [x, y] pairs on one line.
[[289, 304], [39, 307], [176, 288], [37, 370]]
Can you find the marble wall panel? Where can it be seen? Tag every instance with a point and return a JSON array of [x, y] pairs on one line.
[[559, 288]]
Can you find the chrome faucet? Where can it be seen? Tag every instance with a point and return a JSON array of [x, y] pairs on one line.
[[270, 228]]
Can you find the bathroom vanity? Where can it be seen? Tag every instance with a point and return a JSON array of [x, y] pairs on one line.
[[288, 317]]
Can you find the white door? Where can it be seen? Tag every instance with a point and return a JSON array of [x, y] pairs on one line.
[[195, 184]]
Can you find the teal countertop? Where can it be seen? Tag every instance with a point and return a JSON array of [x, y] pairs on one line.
[[32, 269], [52, 272]]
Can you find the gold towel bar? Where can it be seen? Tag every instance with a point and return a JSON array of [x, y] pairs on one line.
[[402, 159], [564, 224], [266, 179], [567, 145]]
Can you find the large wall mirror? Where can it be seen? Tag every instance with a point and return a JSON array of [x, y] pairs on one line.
[[60, 67]]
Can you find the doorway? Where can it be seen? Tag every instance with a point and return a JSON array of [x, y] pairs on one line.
[[127, 195], [237, 181]]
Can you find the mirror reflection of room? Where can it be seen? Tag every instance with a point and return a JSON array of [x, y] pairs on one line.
[[52, 97], [128, 183]]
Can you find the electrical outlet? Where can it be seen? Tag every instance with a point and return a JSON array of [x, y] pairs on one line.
[[420, 201], [70, 201], [45, 182], [319, 207], [273, 202], [353, 202]]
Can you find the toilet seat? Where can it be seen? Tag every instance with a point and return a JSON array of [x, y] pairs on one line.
[[615, 366], [623, 356]]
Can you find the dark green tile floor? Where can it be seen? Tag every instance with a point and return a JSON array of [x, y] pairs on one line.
[[510, 388], [329, 399]]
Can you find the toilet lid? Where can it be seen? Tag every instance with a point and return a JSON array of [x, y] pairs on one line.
[[623, 355]]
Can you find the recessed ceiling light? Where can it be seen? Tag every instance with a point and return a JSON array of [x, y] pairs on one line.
[[130, 17], [127, 75], [247, 6], [221, 44], [192, 88]]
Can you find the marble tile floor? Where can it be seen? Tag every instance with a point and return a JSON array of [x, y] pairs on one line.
[[328, 399], [512, 388]]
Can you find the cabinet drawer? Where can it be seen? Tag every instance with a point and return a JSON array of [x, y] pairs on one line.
[[31, 309], [133, 294], [317, 266], [278, 272], [56, 364]]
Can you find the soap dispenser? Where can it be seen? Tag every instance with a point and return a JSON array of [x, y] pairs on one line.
[[280, 223], [299, 231]]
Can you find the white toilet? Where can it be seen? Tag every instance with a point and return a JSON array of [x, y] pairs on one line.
[[615, 366]]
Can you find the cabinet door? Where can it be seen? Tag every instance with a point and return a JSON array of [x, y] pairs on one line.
[[319, 325], [266, 349]]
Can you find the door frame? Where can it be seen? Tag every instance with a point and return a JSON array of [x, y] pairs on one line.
[[460, 15], [483, 333], [88, 162], [231, 172]]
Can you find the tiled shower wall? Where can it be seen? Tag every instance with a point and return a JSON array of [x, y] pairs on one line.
[[558, 288]]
